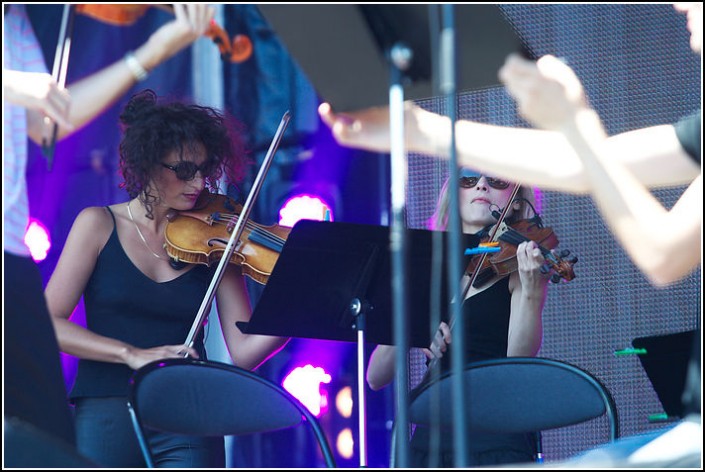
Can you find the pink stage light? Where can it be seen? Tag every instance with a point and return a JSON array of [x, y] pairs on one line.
[[37, 240], [305, 384], [304, 207]]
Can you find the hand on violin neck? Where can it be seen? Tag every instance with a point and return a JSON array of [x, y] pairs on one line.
[[439, 345], [530, 260]]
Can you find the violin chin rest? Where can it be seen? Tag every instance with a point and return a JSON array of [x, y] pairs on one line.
[[177, 264]]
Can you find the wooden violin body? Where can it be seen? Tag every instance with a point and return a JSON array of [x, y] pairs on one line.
[[238, 50], [200, 235], [509, 237]]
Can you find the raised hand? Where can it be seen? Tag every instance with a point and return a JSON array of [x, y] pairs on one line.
[[547, 92]]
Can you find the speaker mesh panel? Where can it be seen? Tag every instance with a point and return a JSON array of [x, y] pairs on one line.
[[637, 68]]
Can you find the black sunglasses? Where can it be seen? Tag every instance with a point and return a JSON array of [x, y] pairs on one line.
[[186, 170], [469, 182]]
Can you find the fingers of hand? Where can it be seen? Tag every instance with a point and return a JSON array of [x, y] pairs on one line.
[[183, 351], [529, 256], [439, 345], [195, 16], [56, 107], [437, 351], [444, 330]]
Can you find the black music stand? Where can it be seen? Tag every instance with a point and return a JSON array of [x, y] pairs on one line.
[[665, 362], [332, 282], [325, 266]]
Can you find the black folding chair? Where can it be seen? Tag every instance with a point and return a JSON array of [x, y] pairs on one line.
[[207, 398], [515, 395]]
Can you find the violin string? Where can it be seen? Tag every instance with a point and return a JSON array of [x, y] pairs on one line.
[[275, 240], [129, 212], [265, 234], [515, 238]]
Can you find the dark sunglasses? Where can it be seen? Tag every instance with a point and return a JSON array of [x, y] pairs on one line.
[[469, 182], [186, 170]]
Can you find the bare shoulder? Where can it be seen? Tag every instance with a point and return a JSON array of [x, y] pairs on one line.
[[93, 223]]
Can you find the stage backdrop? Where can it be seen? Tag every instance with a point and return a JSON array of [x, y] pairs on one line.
[[638, 71]]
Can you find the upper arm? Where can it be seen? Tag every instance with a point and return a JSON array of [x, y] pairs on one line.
[[676, 252], [380, 368], [655, 156], [86, 239]]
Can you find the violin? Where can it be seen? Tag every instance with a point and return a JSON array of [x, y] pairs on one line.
[[237, 50], [200, 235], [509, 237]]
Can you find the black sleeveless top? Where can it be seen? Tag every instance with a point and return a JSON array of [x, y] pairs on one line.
[[123, 303], [486, 324]]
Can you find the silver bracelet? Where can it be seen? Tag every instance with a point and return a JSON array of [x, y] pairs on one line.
[[138, 71]]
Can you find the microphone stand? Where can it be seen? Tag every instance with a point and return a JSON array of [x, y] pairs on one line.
[[400, 58]]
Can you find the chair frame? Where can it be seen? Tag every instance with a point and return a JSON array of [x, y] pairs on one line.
[[139, 376], [609, 407]]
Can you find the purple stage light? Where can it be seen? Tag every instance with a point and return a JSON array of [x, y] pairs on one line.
[[305, 384], [304, 207], [37, 240]]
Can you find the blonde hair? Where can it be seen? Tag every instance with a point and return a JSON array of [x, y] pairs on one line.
[[527, 198]]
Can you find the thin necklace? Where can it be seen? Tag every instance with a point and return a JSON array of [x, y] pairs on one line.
[[129, 212]]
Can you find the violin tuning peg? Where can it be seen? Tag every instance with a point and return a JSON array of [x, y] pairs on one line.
[[572, 259], [564, 253], [556, 278]]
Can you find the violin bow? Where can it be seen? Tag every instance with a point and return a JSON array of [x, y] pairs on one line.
[[59, 72], [237, 232]]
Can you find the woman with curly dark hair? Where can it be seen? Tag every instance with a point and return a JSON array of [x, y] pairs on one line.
[[139, 306]]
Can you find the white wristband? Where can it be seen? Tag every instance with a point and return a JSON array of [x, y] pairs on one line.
[[139, 72]]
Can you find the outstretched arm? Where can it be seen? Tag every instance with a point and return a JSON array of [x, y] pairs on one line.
[[94, 94], [536, 157], [664, 244], [532, 157]]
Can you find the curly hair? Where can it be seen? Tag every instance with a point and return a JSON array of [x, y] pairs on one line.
[[152, 129]]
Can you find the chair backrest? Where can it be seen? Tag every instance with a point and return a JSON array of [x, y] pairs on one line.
[[207, 398], [516, 395]]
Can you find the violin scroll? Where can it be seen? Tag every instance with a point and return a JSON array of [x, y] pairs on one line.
[[561, 264]]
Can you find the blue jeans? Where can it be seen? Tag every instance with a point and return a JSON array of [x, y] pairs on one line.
[[105, 434]]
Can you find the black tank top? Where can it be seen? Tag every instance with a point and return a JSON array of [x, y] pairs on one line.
[[486, 324], [123, 303]]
